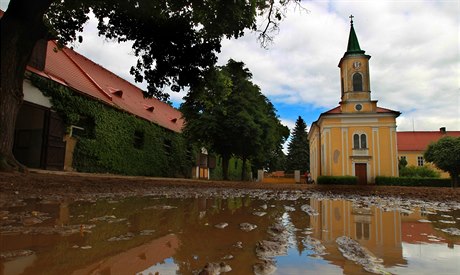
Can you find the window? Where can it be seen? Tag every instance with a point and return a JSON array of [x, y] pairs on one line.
[[420, 161], [359, 141], [84, 128], [138, 141], [357, 82], [341, 83], [362, 231], [355, 141], [167, 145], [363, 141]]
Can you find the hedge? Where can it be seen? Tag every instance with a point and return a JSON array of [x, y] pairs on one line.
[[416, 181], [337, 180]]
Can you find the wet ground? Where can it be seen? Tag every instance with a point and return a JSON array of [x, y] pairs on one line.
[[87, 224]]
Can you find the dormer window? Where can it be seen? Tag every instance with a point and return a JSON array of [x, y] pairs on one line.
[[357, 82], [149, 108], [114, 91]]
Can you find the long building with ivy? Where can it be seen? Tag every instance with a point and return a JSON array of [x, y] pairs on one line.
[[78, 115]]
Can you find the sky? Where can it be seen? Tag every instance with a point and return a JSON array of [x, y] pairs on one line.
[[414, 67]]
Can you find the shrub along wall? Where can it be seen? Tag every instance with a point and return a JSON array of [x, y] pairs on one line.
[[339, 180], [115, 141], [416, 181], [235, 167]]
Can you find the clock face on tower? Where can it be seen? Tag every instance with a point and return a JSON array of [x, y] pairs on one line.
[[356, 65]]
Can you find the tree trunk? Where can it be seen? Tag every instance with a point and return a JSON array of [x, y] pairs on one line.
[[243, 170], [454, 178], [225, 160], [21, 27]]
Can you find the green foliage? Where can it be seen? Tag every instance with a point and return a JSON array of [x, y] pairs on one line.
[[337, 180], [418, 171], [298, 157], [228, 114], [235, 168], [277, 161], [112, 146], [418, 181], [175, 40], [402, 163], [445, 154]]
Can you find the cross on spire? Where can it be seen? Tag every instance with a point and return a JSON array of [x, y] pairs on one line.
[[351, 19]]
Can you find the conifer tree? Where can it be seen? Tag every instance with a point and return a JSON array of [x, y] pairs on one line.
[[298, 157]]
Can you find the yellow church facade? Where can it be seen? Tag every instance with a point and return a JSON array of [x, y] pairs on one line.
[[356, 138]]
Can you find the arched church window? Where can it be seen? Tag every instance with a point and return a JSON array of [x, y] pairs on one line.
[[357, 82], [359, 141], [342, 86], [356, 141], [363, 141]]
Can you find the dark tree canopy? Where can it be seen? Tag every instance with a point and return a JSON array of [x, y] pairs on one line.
[[175, 41], [228, 114], [445, 154], [277, 161], [298, 157]]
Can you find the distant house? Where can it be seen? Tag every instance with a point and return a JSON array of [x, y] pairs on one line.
[[412, 145], [44, 138]]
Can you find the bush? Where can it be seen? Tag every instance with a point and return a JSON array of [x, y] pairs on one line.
[[418, 171], [338, 180], [235, 167], [415, 181]]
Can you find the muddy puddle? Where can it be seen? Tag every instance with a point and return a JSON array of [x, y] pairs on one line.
[[252, 232]]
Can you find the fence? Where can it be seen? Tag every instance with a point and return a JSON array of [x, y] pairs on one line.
[[282, 177]]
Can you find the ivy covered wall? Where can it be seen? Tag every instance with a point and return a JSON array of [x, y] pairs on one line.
[[114, 141]]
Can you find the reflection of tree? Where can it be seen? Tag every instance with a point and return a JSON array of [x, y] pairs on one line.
[[300, 220], [201, 242], [439, 226]]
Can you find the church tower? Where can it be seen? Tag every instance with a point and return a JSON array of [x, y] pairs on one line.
[[356, 138], [355, 78]]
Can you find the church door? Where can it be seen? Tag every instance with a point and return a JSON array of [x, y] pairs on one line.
[[361, 173]]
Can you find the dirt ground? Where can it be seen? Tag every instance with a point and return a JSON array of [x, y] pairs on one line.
[[65, 185]]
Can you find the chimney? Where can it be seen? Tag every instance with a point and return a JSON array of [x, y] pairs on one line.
[[442, 130]]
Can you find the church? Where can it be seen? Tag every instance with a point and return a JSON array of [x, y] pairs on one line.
[[356, 138]]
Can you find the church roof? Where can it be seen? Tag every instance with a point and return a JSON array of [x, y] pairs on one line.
[[419, 140], [380, 110], [353, 43]]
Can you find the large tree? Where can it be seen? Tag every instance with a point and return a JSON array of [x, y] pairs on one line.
[[445, 154], [298, 157], [229, 115], [175, 40]]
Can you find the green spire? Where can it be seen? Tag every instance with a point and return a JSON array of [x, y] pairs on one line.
[[353, 44]]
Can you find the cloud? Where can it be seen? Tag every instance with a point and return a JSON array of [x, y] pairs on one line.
[[414, 67]]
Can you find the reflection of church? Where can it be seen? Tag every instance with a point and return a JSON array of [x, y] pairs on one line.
[[373, 228], [356, 138], [381, 232]]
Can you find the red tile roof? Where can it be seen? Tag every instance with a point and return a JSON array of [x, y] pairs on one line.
[[86, 77], [419, 141]]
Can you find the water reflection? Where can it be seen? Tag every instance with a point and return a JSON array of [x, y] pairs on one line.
[[145, 235]]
